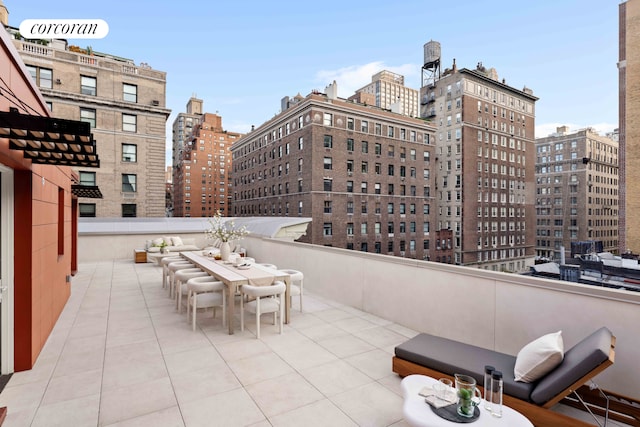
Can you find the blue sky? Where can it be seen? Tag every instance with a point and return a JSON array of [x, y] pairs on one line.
[[242, 57]]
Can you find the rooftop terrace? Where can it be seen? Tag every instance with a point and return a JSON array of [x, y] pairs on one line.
[[121, 355]]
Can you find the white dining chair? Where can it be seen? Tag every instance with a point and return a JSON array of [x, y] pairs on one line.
[[165, 271], [180, 280], [296, 285], [206, 292], [268, 299], [172, 268]]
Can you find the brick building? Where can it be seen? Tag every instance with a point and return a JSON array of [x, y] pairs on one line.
[[629, 124], [362, 173], [576, 191], [485, 165], [388, 91], [202, 166]]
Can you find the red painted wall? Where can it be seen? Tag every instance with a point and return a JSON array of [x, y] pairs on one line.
[[40, 283]]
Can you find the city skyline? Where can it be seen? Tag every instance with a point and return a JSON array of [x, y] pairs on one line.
[[566, 53]]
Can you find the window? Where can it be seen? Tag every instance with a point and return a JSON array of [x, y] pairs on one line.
[[327, 184], [128, 210], [363, 228], [328, 163], [87, 178], [129, 122], [390, 131], [349, 144], [365, 147], [88, 85], [364, 126], [129, 183], [327, 206], [378, 149], [129, 153], [363, 187], [327, 229], [391, 170], [349, 229], [376, 187], [365, 167], [129, 92], [87, 210], [350, 123], [349, 167], [328, 141], [390, 208], [88, 115], [42, 76], [349, 207], [328, 119]]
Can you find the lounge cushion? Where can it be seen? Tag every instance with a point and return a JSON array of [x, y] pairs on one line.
[[581, 359], [453, 357], [539, 357]]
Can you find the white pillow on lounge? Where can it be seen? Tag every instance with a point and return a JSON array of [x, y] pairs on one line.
[[539, 357], [177, 241], [158, 241]]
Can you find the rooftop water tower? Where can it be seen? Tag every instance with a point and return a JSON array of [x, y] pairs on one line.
[[431, 67]]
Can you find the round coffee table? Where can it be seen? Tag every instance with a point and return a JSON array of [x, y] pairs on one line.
[[157, 256], [418, 413]]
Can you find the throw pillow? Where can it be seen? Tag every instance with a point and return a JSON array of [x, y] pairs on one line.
[[539, 357], [158, 241], [177, 241], [167, 240]]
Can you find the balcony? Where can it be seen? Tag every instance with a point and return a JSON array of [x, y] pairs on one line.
[[120, 352]]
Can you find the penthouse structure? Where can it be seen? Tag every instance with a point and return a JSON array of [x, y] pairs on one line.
[[362, 173]]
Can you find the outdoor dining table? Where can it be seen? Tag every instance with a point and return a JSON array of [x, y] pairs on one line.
[[234, 277]]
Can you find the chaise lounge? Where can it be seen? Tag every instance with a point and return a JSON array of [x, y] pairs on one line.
[[441, 357]]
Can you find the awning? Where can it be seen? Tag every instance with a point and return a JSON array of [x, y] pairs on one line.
[[90, 191], [48, 140]]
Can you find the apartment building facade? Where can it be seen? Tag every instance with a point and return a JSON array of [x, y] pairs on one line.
[[389, 92], [125, 106], [202, 174], [629, 124], [362, 173], [484, 163], [576, 191]]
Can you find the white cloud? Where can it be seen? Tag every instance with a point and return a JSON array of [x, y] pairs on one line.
[[546, 129], [353, 77]]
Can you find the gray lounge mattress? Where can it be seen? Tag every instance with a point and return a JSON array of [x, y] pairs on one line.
[[453, 357]]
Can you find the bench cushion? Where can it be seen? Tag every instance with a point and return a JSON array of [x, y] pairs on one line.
[[578, 361], [453, 357]]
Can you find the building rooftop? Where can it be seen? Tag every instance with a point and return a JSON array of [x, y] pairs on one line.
[[120, 354]]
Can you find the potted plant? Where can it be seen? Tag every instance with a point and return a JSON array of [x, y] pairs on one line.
[[225, 231]]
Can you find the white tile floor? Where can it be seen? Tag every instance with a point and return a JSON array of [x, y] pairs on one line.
[[121, 355]]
